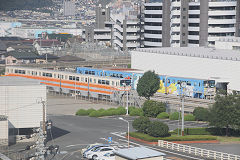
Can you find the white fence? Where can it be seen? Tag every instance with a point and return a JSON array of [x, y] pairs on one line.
[[197, 151]]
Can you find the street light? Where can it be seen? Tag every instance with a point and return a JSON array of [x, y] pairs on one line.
[[183, 86], [128, 127], [124, 84]]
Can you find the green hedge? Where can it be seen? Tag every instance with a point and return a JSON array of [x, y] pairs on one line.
[[135, 111], [194, 131], [101, 112], [175, 116], [163, 115], [189, 117], [172, 138]]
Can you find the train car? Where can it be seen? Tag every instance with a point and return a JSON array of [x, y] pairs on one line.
[[196, 88], [104, 73], [71, 83]]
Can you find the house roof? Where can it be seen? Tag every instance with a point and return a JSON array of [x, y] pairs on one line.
[[3, 118], [48, 43], [22, 55], [3, 46], [138, 153], [69, 58], [48, 56]]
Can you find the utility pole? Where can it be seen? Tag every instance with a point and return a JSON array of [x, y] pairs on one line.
[[183, 87], [44, 117]]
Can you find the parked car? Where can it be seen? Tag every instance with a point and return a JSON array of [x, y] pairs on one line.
[[106, 156], [88, 147], [93, 148], [98, 152]]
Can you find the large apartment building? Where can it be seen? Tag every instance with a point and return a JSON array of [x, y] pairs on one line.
[[182, 23]]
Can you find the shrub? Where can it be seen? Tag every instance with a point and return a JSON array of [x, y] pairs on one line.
[[96, 114], [158, 129], [189, 117], [201, 114], [120, 111], [90, 110], [163, 115], [172, 138], [82, 112], [153, 108], [136, 112], [175, 116], [141, 124]]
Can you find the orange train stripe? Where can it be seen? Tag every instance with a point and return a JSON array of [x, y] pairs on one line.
[[64, 81], [78, 88]]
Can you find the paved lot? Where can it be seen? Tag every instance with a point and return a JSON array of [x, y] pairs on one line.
[[62, 105]]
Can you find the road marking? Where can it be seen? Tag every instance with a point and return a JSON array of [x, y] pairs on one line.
[[156, 148], [74, 145]]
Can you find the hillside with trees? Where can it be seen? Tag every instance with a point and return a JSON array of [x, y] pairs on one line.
[[10, 5]]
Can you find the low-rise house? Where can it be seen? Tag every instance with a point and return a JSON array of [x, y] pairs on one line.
[[43, 46], [43, 59], [20, 57]]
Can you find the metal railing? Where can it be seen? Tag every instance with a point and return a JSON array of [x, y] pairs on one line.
[[197, 151]]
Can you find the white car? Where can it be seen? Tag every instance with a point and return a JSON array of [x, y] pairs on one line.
[[98, 152], [107, 156], [88, 147]]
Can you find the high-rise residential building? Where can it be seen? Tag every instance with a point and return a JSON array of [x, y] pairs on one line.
[[69, 7], [182, 23]]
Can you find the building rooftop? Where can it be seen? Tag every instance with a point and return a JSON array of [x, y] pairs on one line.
[[17, 81], [22, 55], [138, 153], [200, 52]]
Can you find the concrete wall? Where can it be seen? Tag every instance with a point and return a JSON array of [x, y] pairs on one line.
[[22, 105], [3, 130], [192, 67], [226, 45]]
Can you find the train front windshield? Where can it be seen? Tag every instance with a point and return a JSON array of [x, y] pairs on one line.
[[209, 83], [126, 82]]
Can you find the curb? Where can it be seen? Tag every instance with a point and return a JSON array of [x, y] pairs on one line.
[[179, 142]]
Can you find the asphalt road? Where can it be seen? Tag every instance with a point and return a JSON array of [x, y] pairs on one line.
[[72, 133]]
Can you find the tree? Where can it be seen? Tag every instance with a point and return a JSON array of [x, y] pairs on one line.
[[201, 114], [141, 124], [148, 84], [158, 129], [225, 112], [152, 108]]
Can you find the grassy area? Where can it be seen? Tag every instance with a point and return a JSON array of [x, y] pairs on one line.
[[228, 139], [172, 137]]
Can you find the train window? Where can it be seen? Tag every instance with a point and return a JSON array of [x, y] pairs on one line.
[[90, 80], [16, 71], [28, 72], [103, 82], [40, 74], [173, 80], [101, 74], [70, 78], [86, 72], [44, 74], [62, 76], [195, 83], [199, 84], [168, 81], [114, 75], [94, 80], [121, 76], [107, 82], [11, 70], [82, 79], [77, 78], [90, 72], [54, 75], [105, 74], [80, 72], [66, 77], [112, 83], [117, 75], [188, 83], [99, 81], [93, 72], [163, 80], [86, 80], [58, 76], [117, 83]]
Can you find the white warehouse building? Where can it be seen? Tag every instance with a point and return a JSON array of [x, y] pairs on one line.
[[191, 62], [21, 102]]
